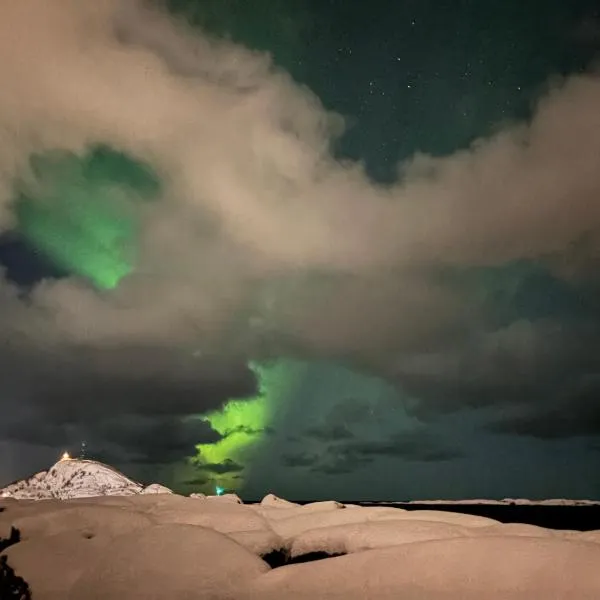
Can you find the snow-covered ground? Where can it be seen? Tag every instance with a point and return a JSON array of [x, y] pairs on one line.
[[93, 534], [509, 501]]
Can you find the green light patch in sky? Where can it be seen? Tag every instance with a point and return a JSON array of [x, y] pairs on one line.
[[243, 422], [81, 213]]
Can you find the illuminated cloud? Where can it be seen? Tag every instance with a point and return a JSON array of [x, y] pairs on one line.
[[251, 193], [190, 189]]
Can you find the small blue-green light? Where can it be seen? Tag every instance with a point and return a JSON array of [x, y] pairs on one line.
[[219, 490]]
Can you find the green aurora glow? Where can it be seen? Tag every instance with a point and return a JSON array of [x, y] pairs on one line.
[[81, 213], [244, 423], [241, 423]]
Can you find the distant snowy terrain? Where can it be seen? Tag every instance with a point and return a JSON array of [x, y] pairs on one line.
[[72, 478], [96, 535], [509, 501]]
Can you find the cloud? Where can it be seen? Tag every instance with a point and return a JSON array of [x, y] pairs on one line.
[[249, 431], [341, 465], [299, 459], [345, 418], [330, 433], [197, 481], [161, 440], [244, 149], [117, 440], [532, 378], [262, 242], [227, 466], [574, 413], [411, 445], [134, 406], [70, 385]]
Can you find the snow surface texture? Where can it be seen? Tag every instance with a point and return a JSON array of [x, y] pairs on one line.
[[96, 535], [73, 479], [509, 501]]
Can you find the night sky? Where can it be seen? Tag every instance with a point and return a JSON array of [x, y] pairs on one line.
[[317, 248]]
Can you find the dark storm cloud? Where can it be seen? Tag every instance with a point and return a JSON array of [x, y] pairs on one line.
[[350, 410], [132, 406], [251, 431], [341, 420], [227, 466], [36, 432], [148, 440], [340, 465], [117, 440], [576, 414], [340, 460], [197, 481], [541, 373], [299, 459], [412, 446], [330, 432]]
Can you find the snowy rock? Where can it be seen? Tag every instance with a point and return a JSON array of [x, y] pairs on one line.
[[449, 517], [549, 502], [277, 513], [485, 568], [293, 526], [505, 501], [24, 508], [272, 501], [91, 521], [232, 498], [259, 542], [73, 479], [52, 564], [156, 488], [32, 488], [273, 511], [357, 537], [221, 516], [512, 529], [162, 545], [325, 505], [167, 562], [590, 536]]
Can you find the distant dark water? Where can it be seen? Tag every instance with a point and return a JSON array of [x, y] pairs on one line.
[[580, 518]]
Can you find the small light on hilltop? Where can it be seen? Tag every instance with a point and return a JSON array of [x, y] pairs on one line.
[[66, 456]]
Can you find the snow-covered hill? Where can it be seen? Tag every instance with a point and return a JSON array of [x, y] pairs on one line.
[[72, 478]]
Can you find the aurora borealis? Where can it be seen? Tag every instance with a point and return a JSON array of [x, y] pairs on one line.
[[224, 289], [242, 424], [83, 216]]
